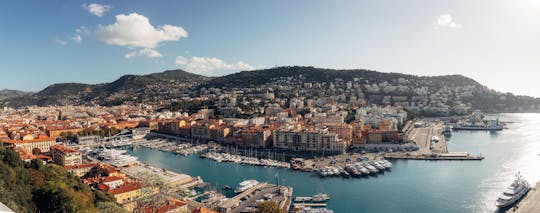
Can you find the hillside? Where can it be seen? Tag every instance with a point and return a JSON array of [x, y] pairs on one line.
[[124, 88], [7, 93], [258, 77], [375, 87]]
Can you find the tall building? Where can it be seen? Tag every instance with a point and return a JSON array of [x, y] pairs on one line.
[[309, 140], [43, 143], [65, 156]]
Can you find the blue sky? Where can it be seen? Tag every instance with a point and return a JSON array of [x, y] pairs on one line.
[[493, 41]]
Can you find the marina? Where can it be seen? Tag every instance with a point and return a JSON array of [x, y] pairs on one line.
[[226, 157], [471, 186], [179, 148]]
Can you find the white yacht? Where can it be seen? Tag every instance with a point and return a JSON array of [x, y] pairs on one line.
[[320, 198], [376, 165], [245, 185], [115, 157], [514, 192], [371, 168]]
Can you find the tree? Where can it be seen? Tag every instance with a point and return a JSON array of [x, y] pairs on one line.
[[12, 158], [36, 164], [36, 151], [156, 192], [110, 207], [269, 207]]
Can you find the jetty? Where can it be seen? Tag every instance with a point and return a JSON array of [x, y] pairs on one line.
[[462, 156], [530, 203], [303, 205], [248, 200]]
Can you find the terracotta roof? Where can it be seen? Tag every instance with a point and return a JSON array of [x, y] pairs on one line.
[[108, 168], [103, 187], [46, 157], [203, 210], [171, 205], [41, 138], [24, 154], [127, 187], [110, 179], [63, 148], [88, 165]]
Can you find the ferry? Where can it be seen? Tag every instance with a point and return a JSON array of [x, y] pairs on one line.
[[245, 185], [514, 192], [490, 125]]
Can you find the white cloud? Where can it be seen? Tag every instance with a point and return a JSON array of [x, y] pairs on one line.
[[97, 9], [150, 53], [211, 66], [134, 30], [130, 54], [77, 38], [181, 61], [446, 21], [61, 42]]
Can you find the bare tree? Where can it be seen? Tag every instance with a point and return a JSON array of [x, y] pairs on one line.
[[155, 192]]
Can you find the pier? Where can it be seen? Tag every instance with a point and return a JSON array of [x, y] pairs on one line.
[[302, 205], [530, 203], [435, 157], [248, 200]]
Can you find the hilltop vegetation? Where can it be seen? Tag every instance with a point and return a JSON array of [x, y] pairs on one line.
[[312, 74], [34, 187], [178, 85]]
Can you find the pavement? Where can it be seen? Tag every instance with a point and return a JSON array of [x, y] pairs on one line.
[[422, 137], [531, 202]]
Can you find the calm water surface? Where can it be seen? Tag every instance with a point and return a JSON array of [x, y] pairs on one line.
[[411, 186]]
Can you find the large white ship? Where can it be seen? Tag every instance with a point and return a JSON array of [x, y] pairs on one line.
[[490, 125], [245, 185], [115, 157], [514, 192]]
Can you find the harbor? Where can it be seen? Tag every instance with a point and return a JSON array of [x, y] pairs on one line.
[[481, 180]]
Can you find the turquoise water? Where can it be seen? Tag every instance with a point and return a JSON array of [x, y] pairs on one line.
[[411, 186]]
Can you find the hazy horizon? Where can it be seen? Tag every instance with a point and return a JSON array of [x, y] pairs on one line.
[[492, 42]]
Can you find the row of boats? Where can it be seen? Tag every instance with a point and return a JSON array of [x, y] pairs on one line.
[[226, 157], [357, 169], [114, 157], [183, 149]]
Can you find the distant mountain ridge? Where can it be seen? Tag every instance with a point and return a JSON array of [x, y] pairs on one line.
[[79, 93], [178, 84], [7, 93]]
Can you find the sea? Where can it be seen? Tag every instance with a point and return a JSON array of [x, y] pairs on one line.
[[411, 185]]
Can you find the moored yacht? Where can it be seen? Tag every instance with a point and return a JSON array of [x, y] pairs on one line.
[[320, 197], [245, 185], [514, 192]]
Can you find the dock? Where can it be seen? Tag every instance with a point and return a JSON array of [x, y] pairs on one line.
[[434, 157], [302, 205], [248, 200], [530, 203]]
